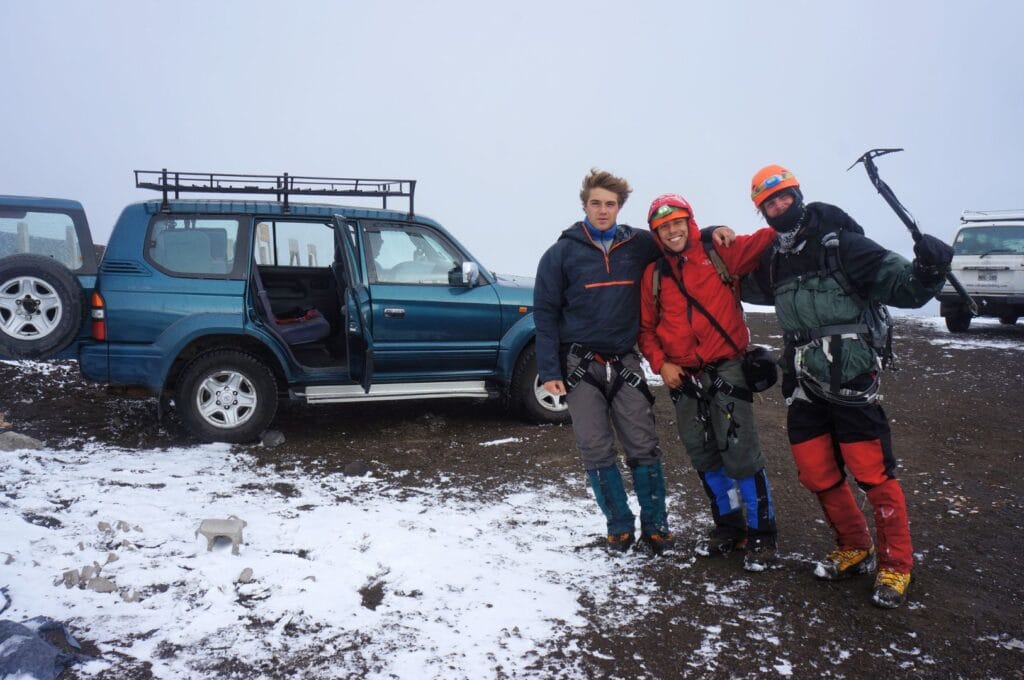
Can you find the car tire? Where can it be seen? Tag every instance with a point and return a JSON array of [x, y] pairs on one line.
[[958, 321], [41, 304], [226, 396], [529, 398], [1008, 319]]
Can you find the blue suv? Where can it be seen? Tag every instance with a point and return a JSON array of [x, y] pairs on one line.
[[227, 306]]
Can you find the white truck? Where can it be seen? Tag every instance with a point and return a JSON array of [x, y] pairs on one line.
[[988, 258]]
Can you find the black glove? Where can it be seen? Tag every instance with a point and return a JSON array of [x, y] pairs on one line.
[[933, 259], [932, 252]]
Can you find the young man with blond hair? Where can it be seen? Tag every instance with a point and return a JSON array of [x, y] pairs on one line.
[[586, 308]]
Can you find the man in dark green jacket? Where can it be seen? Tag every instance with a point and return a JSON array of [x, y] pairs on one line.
[[827, 281]]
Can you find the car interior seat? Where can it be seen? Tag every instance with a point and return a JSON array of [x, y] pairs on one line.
[[309, 327]]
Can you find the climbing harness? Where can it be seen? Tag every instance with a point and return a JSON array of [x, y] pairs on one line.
[[874, 327], [617, 374]]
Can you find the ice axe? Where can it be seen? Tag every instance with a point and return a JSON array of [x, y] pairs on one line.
[[868, 159]]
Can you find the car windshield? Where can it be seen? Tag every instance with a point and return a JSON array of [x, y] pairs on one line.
[[988, 240]]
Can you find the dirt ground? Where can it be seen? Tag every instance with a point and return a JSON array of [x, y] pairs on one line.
[[958, 424]]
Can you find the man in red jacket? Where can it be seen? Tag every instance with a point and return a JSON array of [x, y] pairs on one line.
[[693, 333]]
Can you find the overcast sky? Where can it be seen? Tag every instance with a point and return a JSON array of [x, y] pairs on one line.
[[499, 110]]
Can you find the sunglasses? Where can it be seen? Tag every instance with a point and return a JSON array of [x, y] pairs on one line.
[[667, 210]]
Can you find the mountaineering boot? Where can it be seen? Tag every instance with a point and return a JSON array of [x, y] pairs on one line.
[[760, 552], [610, 493], [649, 485], [656, 543], [619, 543], [842, 563], [729, 532], [890, 588], [761, 530], [726, 536]]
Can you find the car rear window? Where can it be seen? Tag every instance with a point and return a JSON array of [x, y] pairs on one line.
[[197, 246], [40, 233]]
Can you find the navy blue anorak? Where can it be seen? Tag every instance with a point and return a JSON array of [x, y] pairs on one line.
[[586, 295]]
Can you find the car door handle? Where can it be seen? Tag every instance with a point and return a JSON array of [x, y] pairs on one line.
[[394, 313]]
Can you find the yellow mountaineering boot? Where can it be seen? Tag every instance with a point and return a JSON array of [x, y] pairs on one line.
[[890, 588], [843, 563]]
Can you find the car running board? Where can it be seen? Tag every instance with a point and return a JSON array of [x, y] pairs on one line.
[[332, 394]]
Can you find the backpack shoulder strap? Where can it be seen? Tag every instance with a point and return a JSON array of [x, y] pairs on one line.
[[722, 269], [830, 263], [718, 262], [695, 304], [661, 268], [656, 286]]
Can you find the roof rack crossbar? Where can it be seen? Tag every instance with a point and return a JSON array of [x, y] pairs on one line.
[[281, 186]]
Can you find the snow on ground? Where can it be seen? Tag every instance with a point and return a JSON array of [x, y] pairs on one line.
[[348, 572], [968, 340]]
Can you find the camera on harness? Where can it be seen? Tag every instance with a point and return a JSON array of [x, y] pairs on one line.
[[759, 368]]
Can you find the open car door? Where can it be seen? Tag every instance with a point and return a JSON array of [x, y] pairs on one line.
[[357, 306]]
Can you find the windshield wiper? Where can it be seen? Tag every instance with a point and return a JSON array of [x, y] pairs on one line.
[[996, 250]]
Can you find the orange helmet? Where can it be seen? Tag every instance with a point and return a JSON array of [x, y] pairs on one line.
[[770, 180]]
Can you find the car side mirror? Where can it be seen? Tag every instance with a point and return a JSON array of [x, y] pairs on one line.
[[465, 275]]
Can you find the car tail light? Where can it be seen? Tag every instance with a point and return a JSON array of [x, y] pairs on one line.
[[99, 317]]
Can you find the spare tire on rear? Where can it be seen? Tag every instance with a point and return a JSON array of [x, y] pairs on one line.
[[41, 304]]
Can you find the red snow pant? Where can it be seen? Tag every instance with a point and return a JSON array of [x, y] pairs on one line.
[[827, 439]]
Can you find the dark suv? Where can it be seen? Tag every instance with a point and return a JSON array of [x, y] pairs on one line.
[[229, 305]]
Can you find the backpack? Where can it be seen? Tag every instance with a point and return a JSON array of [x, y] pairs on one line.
[[875, 316]]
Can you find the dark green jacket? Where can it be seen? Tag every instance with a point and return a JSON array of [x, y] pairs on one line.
[[806, 297]]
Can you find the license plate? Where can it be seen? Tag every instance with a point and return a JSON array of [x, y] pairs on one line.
[[988, 277]]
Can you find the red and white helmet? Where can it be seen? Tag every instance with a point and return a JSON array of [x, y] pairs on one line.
[[666, 208]]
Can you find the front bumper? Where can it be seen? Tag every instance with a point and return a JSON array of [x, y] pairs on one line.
[[988, 305]]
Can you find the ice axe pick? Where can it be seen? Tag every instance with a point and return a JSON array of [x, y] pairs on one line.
[[868, 159]]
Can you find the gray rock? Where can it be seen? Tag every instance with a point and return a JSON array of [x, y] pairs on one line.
[[230, 528], [12, 441], [27, 655], [101, 585], [246, 576], [70, 578], [272, 438], [357, 468]]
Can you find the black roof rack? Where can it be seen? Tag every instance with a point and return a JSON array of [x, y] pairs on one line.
[[282, 186]]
